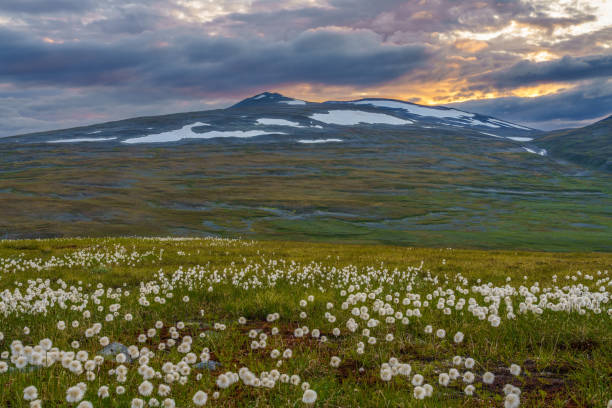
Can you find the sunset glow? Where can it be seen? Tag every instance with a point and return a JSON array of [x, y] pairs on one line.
[[164, 56]]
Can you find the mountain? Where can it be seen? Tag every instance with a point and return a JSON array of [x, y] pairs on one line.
[[274, 167], [272, 113], [590, 146]]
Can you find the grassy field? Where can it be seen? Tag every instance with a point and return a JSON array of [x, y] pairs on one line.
[[399, 187], [376, 308]]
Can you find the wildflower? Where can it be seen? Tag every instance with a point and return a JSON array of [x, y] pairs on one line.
[[441, 333], [419, 392], [386, 374], [417, 380], [515, 369], [137, 403], [469, 363], [74, 394], [512, 401], [30, 393], [200, 398], [468, 377], [469, 390], [309, 397], [488, 378], [85, 404], [443, 379], [103, 392], [458, 337], [223, 381], [145, 388], [335, 361]]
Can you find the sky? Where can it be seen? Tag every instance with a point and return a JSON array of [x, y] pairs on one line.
[[543, 63]]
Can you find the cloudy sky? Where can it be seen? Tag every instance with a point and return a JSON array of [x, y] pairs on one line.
[[544, 63]]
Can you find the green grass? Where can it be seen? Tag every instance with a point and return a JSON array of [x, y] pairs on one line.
[[566, 357], [393, 187]]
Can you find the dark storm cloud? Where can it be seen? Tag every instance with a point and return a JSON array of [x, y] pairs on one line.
[[211, 63], [45, 6], [62, 61], [30, 61], [325, 57], [562, 70], [565, 109]]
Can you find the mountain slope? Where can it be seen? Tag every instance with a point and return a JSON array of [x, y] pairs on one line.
[[589, 146], [274, 114]]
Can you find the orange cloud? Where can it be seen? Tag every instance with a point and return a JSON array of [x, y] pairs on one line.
[[427, 93], [470, 45]]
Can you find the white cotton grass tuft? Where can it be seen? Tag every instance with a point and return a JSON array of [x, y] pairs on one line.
[[30, 393], [417, 380], [309, 396], [200, 398], [488, 378], [444, 379], [511, 401], [515, 369], [74, 394]]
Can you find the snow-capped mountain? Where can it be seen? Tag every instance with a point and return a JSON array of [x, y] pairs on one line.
[[272, 114]]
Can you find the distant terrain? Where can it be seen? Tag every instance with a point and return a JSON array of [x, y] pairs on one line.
[[273, 167], [590, 145]]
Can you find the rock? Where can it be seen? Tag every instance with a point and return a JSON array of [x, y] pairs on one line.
[[114, 349], [209, 365]]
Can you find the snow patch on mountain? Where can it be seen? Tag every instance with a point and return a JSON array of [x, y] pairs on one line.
[[520, 139], [491, 134], [82, 139], [540, 152], [277, 122], [311, 141], [355, 117], [294, 102], [417, 109], [186, 132]]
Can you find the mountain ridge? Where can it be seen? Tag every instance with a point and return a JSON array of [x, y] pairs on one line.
[[590, 145], [282, 101]]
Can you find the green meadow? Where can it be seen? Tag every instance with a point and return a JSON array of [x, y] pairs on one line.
[[220, 296]]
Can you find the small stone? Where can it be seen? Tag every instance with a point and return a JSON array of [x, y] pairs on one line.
[[116, 348], [209, 365]]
